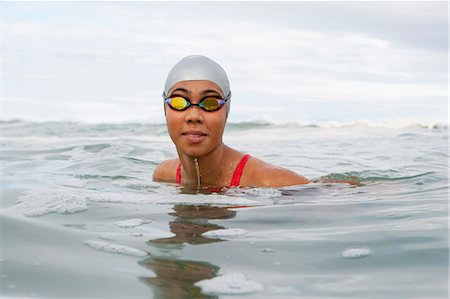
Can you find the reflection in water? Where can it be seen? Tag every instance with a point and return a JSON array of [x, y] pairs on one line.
[[176, 278], [192, 221]]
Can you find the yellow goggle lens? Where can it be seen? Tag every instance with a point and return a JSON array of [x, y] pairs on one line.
[[178, 103]]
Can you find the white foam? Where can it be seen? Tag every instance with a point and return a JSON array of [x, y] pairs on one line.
[[38, 203], [145, 198], [353, 253], [111, 248], [115, 197], [67, 201], [257, 192], [229, 284], [207, 199], [225, 233], [131, 222]]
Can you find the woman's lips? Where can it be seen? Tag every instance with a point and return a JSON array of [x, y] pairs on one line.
[[194, 136]]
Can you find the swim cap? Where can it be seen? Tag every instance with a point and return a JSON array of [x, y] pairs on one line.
[[198, 67]]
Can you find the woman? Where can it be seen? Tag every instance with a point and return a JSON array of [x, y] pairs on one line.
[[197, 101]]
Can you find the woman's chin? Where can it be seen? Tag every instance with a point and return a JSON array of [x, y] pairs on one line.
[[195, 153], [197, 150]]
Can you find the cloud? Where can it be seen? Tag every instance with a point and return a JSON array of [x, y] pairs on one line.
[[118, 54]]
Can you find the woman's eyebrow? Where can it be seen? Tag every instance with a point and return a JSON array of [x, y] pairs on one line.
[[180, 89], [209, 91]]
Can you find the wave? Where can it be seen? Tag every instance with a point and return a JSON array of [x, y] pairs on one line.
[[23, 128], [371, 176], [388, 124]]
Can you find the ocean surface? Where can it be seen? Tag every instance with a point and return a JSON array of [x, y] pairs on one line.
[[82, 218]]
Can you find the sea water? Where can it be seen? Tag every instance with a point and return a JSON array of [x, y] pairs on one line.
[[82, 218]]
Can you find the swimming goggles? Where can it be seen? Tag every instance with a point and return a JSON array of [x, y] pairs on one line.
[[209, 104]]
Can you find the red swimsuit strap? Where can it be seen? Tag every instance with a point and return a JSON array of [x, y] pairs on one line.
[[235, 180], [179, 174]]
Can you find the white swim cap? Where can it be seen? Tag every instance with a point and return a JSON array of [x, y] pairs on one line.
[[198, 67]]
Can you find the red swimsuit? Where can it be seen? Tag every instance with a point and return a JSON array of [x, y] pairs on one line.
[[236, 175]]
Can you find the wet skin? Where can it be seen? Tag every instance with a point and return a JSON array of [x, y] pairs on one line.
[[198, 134]]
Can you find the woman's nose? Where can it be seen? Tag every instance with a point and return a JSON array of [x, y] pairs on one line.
[[194, 115]]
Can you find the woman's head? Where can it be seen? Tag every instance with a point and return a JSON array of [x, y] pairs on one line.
[[198, 67], [196, 90]]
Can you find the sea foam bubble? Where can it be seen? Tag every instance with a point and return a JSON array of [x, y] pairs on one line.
[[225, 233], [229, 284], [354, 253], [112, 248]]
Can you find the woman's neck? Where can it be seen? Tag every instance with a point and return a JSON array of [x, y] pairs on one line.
[[209, 170]]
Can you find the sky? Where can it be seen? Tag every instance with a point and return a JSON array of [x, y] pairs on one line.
[[286, 61]]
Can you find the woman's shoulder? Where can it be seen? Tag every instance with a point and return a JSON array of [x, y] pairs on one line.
[[262, 174], [166, 171]]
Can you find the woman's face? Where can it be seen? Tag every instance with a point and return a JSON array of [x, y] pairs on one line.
[[196, 132]]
